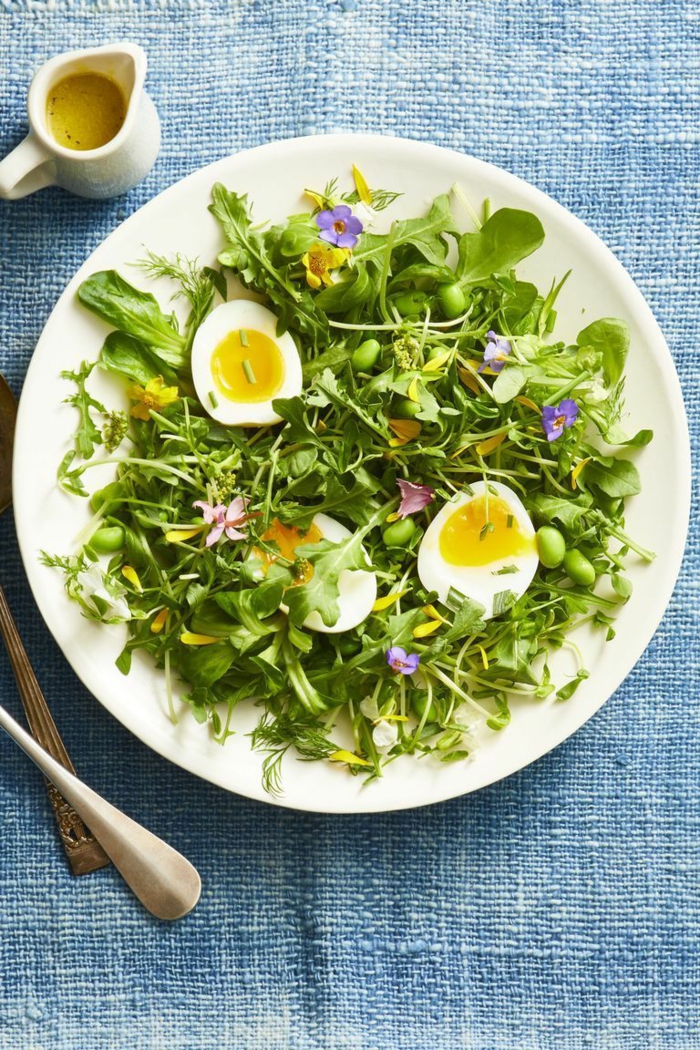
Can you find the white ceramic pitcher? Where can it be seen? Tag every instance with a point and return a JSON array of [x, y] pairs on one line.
[[112, 169]]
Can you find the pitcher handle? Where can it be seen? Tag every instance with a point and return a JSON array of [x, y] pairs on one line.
[[30, 167]]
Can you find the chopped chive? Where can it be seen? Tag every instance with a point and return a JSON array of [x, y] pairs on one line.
[[243, 336], [249, 373], [213, 399], [488, 527], [509, 521]]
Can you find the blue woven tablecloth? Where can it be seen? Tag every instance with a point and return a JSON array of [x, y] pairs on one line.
[[558, 909]]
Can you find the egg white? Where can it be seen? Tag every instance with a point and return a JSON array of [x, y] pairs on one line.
[[477, 581], [229, 317]]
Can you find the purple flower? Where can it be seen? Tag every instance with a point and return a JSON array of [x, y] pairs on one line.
[[401, 661], [339, 227], [556, 420], [224, 519], [495, 352], [414, 497]]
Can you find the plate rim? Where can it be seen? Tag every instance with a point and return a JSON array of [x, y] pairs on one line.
[[505, 180]]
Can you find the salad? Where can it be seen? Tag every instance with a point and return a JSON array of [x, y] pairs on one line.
[[362, 484]]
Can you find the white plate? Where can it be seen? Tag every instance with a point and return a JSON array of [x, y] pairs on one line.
[[274, 176]]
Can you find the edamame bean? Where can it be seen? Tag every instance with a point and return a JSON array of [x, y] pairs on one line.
[[399, 533], [578, 568], [451, 299], [405, 408], [366, 356], [108, 540], [409, 303], [419, 703], [551, 546]]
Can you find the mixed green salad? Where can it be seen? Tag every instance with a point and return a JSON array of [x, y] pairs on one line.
[[434, 396]]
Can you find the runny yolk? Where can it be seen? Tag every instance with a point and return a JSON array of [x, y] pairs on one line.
[[247, 366], [288, 538], [467, 538]]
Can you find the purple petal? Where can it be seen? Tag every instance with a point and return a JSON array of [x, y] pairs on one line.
[[353, 225], [342, 212], [346, 240], [491, 336], [324, 220], [412, 662], [329, 235], [413, 497], [552, 428], [569, 410]]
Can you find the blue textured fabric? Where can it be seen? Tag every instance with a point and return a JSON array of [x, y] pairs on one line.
[[558, 909]]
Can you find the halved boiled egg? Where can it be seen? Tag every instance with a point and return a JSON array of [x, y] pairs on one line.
[[240, 364], [480, 544], [357, 588]]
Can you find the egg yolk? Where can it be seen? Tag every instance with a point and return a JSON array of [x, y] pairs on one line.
[[477, 533], [247, 366], [288, 538]]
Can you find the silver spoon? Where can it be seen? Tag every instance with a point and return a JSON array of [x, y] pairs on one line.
[[162, 879]]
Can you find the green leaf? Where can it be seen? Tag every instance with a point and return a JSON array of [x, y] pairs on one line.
[[206, 664], [347, 293], [137, 313], [553, 508], [509, 382], [88, 435], [609, 336], [320, 593], [620, 479], [425, 234], [128, 357], [508, 237]]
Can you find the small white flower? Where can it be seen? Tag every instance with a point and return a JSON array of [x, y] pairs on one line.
[[369, 708], [385, 735], [365, 213], [596, 392]]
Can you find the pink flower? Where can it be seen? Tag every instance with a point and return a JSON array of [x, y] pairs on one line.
[[414, 497], [224, 519]]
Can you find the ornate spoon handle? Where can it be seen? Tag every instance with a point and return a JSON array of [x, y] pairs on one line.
[[83, 851]]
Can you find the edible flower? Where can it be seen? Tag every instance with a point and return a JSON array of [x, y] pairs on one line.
[[153, 396], [319, 261], [495, 352], [413, 497], [556, 420], [339, 226], [384, 735], [224, 519], [405, 429], [400, 661]]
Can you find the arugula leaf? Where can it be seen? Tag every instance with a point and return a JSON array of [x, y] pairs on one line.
[[87, 435], [425, 234], [619, 479], [320, 593]]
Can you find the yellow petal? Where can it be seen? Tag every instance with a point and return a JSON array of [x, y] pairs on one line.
[[577, 470], [435, 363], [391, 718], [312, 280], [347, 756], [485, 447], [363, 190], [393, 517], [159, 621], [528, 403], [132, 576], [180, 535], [387, 601], [424, 629], [431, 611], [316, 198], [469, 380], [484, 657], [413, 389], [188, 638], [405, 430]]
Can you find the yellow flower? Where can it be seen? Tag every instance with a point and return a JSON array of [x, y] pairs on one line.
[[405, 429], [153, 395], [319, 261], [132, 576]]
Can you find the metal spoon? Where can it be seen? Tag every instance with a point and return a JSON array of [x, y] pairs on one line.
[[162, 879]]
